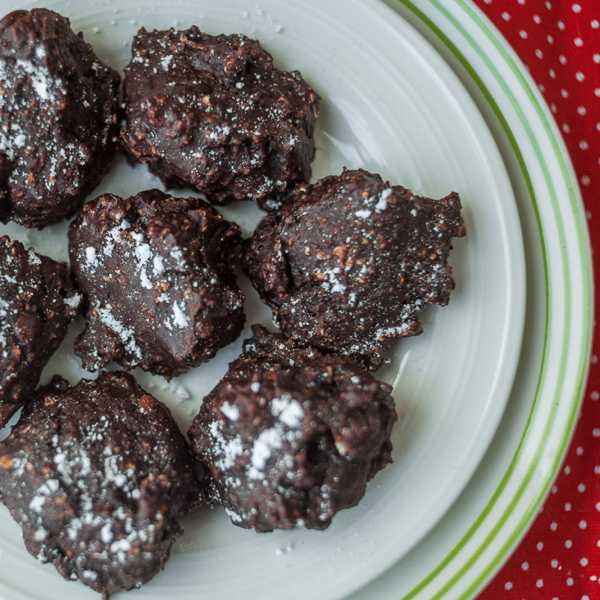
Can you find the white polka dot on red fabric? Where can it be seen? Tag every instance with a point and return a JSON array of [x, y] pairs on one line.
[[540, 546], [596, 432], [595, 395], [554, 526], [585, 180], [576, 8], [523, 34], [581, 487], [506, 16], [554, 563], [570, 581], [595, 24], [561, 25], [536, 19], [539, 583], [525, 566], [508, 585], [582, 524], [583, 562], [579, 450], [568, 544]]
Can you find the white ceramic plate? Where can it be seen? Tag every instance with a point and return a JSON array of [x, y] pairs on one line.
[[391, 105], [474, 538]]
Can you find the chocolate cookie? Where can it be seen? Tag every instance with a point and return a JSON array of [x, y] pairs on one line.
[[58, 118], [291, 436], [213, 112], [37, 303], [351, 261], [157, 274], [96, 475]]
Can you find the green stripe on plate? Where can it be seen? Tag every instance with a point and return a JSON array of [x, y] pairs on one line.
[[583, 247]]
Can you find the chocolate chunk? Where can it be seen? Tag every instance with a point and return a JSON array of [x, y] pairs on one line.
[[290, 436], [212, 112], [96, 475], [37, 303], [157, 274], [58, 118], [351, 261]]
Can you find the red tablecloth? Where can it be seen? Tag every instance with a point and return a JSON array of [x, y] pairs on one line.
[[559, 42]]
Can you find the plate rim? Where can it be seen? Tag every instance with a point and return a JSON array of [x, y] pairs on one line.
[[484, 26]]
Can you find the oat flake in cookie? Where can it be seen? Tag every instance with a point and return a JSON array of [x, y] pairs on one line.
[[212, 112], [291, 436], [351, 261], [58, 118], [37, 303], [96, 475], [157, 275]]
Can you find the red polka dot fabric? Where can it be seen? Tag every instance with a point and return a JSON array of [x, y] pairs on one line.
[[559, 42]]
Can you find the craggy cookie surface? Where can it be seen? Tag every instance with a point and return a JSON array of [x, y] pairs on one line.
[[157, 275], [96, 476], [37, 303], [291, 436], [58, 118], [351, 261], [213, 112]]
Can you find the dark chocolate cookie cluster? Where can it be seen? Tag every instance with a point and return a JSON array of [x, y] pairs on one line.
[[37, 303], [214, 113], [58, 118], [157, 273], [97, 474], [350, 262], [290, 436]]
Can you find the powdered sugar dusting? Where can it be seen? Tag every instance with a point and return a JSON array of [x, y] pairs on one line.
[[288, 410], [126, 334], [231, 411], [264, 445], [226, 450]]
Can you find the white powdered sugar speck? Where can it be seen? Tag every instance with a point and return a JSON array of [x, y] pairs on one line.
[[230, 411], [269, 440]]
